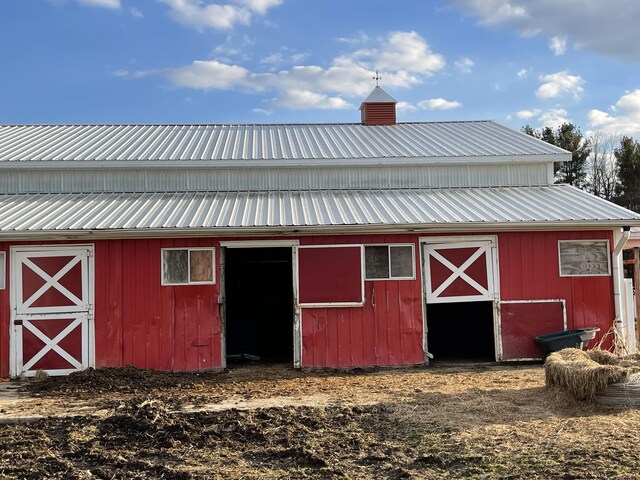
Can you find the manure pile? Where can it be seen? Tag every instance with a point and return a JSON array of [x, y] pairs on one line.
[[595, 376]]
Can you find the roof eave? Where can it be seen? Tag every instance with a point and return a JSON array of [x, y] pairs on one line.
[[610, 224]]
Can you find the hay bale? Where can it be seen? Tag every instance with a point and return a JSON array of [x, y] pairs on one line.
[[584, 374]]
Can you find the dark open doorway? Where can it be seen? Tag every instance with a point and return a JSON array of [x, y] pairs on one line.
[[461, 331], [259, 304]]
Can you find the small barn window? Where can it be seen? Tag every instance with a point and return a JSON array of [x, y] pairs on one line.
[[184, 266], [584, 258], [389, 262]]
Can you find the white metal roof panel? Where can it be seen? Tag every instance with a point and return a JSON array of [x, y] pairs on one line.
[[244, 211], [483, 140], [378, 95]]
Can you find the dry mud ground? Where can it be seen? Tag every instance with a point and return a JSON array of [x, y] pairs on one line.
[[480, 422]]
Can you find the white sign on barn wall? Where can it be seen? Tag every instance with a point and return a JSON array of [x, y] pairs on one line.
[[584, 258]]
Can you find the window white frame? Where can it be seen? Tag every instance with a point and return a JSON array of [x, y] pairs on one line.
[[389, 246], [608, 274], [3, 270], [188, 282]]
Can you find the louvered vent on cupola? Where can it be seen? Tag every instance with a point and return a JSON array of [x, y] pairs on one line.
[[379, 108]]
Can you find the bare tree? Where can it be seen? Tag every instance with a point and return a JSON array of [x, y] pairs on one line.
[[602, 166]]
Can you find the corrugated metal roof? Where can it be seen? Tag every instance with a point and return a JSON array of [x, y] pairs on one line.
[[250, 210], [378, 95], [485, 139]]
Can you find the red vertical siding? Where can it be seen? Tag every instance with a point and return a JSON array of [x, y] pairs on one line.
[[139, 322], [387, 330], [529, 270]]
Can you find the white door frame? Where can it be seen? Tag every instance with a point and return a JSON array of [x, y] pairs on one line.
[[84, 313], [464, 239], [297, 316]]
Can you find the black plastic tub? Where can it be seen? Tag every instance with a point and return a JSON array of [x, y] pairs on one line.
[[553, 342]]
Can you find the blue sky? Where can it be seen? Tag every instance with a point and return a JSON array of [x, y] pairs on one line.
[[268, 61]]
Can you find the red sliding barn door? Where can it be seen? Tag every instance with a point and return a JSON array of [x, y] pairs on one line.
[[459, 272], [51, 309]]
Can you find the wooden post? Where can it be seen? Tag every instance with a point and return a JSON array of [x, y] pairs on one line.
[[636, 286]]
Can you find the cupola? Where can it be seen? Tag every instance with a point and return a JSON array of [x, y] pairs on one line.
[[379, 108]]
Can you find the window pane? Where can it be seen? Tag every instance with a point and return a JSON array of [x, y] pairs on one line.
[[175, 266], [376, 261], [402, 261], [201, 263], [584, 258]]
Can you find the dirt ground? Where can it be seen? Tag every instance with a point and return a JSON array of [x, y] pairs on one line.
[[266, 422]]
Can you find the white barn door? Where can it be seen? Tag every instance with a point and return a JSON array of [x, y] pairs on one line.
[[51, 309], [459, 272]]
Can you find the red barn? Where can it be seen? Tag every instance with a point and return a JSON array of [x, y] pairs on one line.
[[177, 247]]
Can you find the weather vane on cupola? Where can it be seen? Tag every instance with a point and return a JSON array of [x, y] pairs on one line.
[[377, 78]]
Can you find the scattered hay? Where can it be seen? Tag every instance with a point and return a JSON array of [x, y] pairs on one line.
[[585, 374]]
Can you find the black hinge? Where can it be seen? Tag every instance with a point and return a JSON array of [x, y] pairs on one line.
[[17, 322]]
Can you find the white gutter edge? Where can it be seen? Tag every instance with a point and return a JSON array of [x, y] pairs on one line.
[[620, 239]]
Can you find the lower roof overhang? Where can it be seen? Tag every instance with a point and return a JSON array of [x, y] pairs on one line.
[[223, 214]]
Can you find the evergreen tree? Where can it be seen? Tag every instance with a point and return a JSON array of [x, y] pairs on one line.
[[628, 160], [569, 137]]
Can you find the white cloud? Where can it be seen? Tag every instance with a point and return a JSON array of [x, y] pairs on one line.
[[233, 46], [201, 15], [405, 56], [464, 65], [259, 6], [361, 38], [405, 107], [193, 13], [553, 118], [625, 119], [209, 75], [406, 51], [284, 56], [438, 104], [558, 45], [262, 111], [595, 25], [136, 13], [527, 114], [113, 4], [560, 83], [304, 99], [523, 72]]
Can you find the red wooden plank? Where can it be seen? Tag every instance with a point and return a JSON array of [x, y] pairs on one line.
[[139, 307], [128, 302], [522, 322], [369, 327], [381, 324], [152, 302], [167, 320], [394, 322], [345, 345], [357, 337], [101, 301]]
